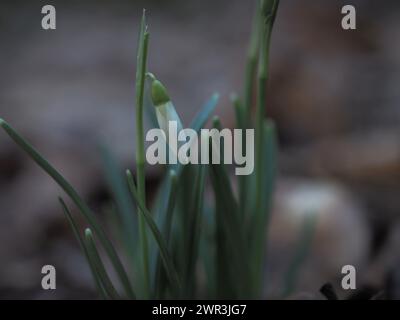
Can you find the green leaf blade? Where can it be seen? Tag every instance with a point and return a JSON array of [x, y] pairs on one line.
[[83, 247], [167, 260], [140, 155], [99, 266], [83, 207]]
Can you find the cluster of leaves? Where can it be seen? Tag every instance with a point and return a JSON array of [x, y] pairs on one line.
[[184, 247]]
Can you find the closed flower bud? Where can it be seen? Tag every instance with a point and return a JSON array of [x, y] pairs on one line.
[[165, 110]]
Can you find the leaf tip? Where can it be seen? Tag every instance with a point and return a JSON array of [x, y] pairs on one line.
[[172, 173], [216, 121], [270, 126], [173, 176], [151, 76], [88, 234], [216, 96], [144, 23], [234, 97]]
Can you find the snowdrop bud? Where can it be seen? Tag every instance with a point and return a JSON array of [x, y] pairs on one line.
[[159, 94], [165, 110]]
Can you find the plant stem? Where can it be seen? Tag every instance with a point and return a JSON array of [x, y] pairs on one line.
[[170, 207], [251, 65], [166, 257], [260, 111], [268, 10], [140, 155], [240, 112]]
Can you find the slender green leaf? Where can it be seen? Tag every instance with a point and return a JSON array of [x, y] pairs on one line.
[[198, 123], [82, 245], [208, 251], [268, 10], [239, 111], [166, 222], [140, 156], [229, 232], [230, 257], [126, 209], [259, 226], [149, 107], [98, 265], [167, 260], [251, 66], [170, 205], [195, 211], [243, 180], [204, 114], [83, 207], [303, 248]]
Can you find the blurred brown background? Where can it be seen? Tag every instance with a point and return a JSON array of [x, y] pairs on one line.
[[333, 93]]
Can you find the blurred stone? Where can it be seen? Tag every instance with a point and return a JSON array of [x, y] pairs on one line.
[[368, 162], [341, 234]]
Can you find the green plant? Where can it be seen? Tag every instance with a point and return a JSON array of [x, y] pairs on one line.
[[166, 245]]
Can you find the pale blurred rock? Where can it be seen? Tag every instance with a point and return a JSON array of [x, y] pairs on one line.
[[368, 162], [341, 234]]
